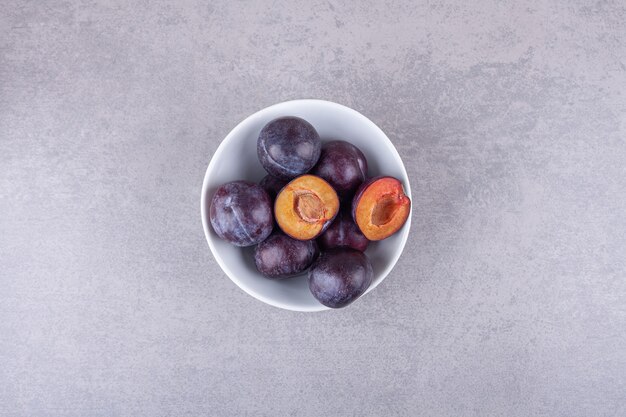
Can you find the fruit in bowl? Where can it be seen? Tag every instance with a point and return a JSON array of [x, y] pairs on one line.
[[343, 232], [241, 213], [380, 207], [280, 256], [305, 207], [272, 185], [308, 261], [288, 147], [340, 276], [343, 165]]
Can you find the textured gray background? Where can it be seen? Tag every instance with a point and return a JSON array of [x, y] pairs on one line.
[[509, 300]]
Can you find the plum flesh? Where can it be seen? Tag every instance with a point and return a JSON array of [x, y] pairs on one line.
[[380, 207], [305, 207]]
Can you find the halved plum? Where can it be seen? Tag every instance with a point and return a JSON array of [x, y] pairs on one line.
[[305, 207], [380, 207]]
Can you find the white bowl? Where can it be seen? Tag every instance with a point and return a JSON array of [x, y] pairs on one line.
[[236, 159]]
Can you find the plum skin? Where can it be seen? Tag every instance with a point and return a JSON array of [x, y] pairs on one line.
[[288, 147], [241, 213], [272, 185], [343, 232], [343, 165], [340, 276], [280, 257]]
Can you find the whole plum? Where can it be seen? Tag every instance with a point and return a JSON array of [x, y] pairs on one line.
[[272, 185], [280, 256], [343, 232], [241, 213], [343, 165], [340, 276], [288, 147]]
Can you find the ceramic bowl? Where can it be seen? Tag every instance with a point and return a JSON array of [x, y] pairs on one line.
[[236, 159]]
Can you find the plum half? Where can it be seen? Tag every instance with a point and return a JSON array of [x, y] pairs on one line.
[[343, 165], [343, 232], [380, 207], [241, 213], [340, 276], [280, 257], [288, 147], [305, 207]]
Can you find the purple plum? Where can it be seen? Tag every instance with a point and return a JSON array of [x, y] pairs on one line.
[[340, 276], [241, 213], [343, 165], [343, 232], [272, 185], [280, 256], [288, 147]]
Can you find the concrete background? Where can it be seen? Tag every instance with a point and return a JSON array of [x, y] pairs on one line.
[[510, 299]]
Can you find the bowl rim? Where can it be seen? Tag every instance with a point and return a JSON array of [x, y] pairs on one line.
[[218, 153]]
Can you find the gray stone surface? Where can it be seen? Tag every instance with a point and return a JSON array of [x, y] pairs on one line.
[[510, 299]]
